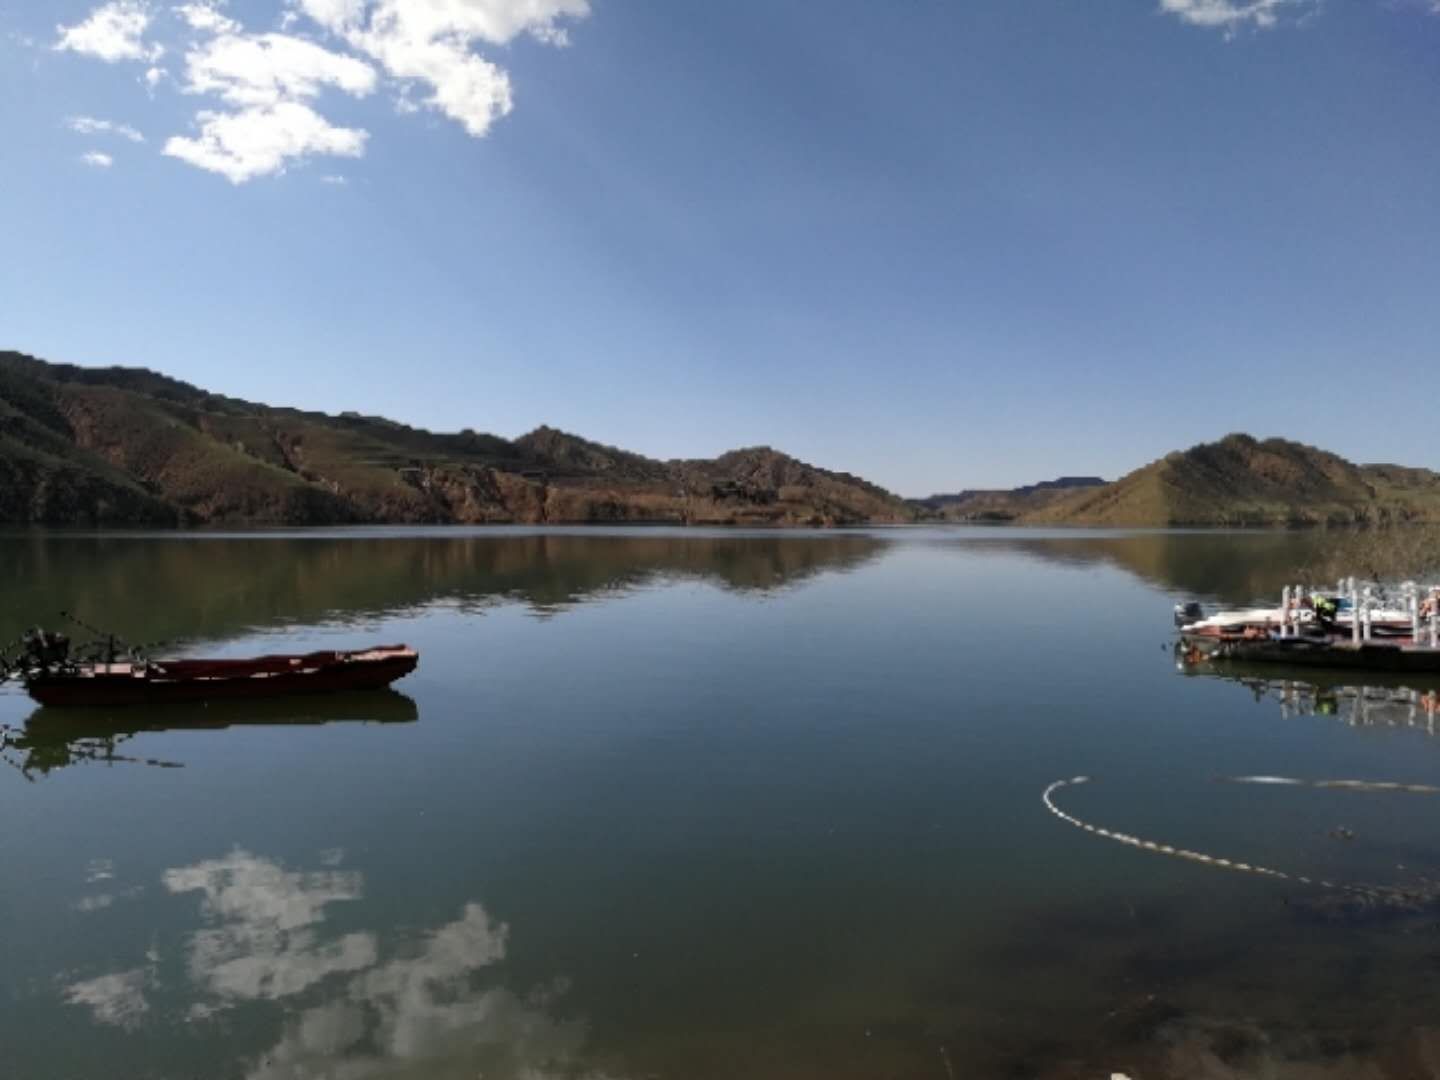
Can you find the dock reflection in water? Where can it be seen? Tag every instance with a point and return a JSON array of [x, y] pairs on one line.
[[1376, 702]]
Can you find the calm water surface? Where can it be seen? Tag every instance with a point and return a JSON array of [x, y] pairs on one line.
[[694, 804]]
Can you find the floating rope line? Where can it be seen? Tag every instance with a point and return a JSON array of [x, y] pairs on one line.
[[1374, 892], [1346, 785]]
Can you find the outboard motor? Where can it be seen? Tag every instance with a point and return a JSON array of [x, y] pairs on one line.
[[1188, 612]]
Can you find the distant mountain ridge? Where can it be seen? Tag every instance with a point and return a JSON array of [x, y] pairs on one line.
[[128, 446], [1240, 480], [999, 504]]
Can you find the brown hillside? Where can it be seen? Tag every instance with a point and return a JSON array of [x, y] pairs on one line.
[[128, 446], [1243, 481]]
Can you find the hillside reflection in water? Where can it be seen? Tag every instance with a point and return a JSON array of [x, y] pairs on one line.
[[205, 586], [707, 805], [1227, 567]]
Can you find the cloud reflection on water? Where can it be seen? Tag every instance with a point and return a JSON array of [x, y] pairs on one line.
[[117, 998], [426, 1015], [264, 945], [432, 1007]]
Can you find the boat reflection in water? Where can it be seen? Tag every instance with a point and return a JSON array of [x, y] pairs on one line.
[[1381, 701], [53, 738]]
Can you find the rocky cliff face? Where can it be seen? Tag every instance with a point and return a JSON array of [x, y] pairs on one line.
[[128, 446]]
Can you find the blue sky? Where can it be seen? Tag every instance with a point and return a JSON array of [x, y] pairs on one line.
[[936, 244]]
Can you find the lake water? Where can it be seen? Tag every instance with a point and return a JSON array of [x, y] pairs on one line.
[[693, 804]]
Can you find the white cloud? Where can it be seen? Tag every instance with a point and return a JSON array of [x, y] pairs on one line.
[[464, 87], [431, 41], [88, 125], [336, 180], [496, 22], [113, 31], [207, 18], [270, 79], [335, 15], [1231, 15], [557, 36], [267, 69], [267, 85], [97, 160], [261, 141]]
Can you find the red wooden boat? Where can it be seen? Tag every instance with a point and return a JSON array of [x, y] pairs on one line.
[[153, 682]]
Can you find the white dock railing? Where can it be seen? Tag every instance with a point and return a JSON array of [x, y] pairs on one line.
[[1420, 603]]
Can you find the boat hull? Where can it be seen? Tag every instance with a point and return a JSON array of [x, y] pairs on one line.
[[1393, 656], [167, 682]]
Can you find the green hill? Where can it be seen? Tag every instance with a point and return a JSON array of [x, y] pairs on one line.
[[111, 446], [1243, 481]]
